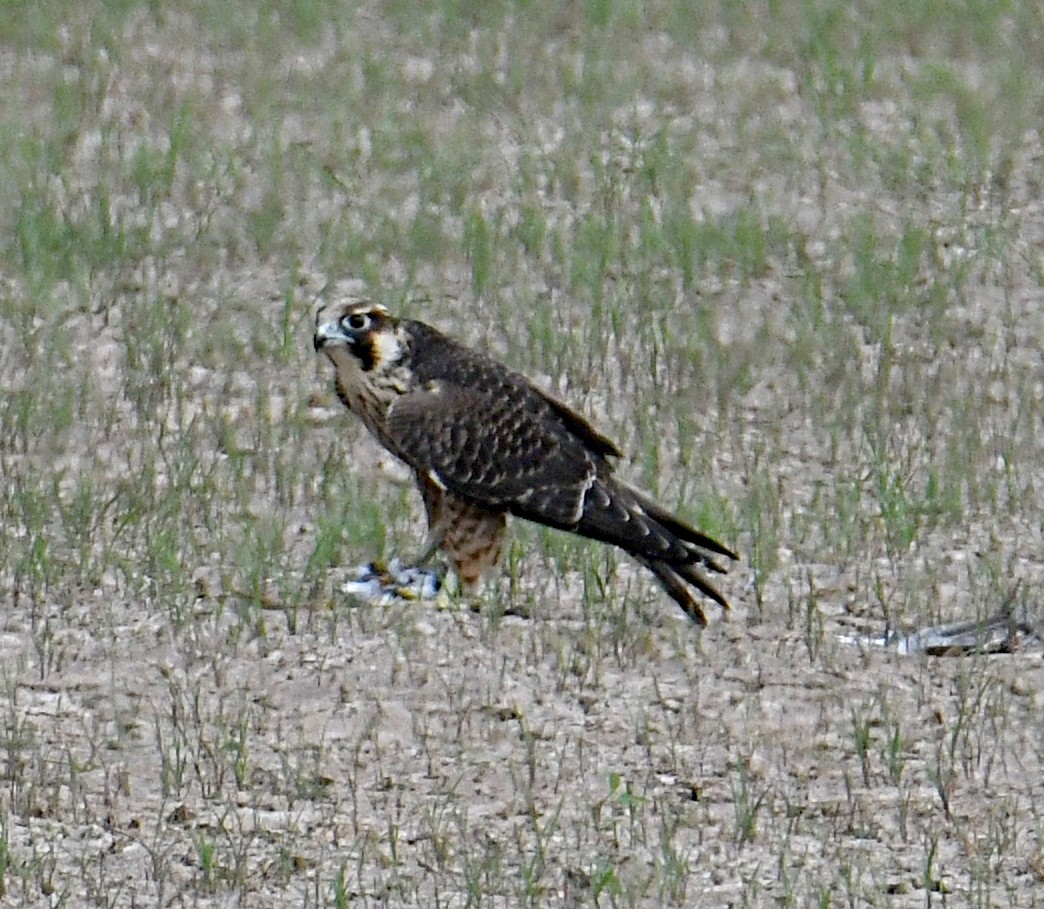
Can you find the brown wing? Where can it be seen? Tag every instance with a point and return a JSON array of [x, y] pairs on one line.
[[435, 357], [501, 450]]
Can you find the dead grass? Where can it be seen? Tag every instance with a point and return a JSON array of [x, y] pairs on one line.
[[789, 256]]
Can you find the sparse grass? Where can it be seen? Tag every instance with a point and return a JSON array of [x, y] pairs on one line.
[[788, 255]]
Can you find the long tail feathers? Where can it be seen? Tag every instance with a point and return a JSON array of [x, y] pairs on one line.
[[675, 580], [683, 531], [673, 551]]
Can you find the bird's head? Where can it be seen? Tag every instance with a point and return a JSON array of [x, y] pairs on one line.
[[360, 333]]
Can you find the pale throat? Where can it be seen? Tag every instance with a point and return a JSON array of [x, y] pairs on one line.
[[343, 359]]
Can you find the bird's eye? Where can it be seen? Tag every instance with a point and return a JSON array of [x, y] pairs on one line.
[[357, 321]]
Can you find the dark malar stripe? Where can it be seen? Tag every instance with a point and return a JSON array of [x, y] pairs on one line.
[[366, 352]]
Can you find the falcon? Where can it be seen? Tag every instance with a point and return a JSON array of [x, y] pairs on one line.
[[484, 442]]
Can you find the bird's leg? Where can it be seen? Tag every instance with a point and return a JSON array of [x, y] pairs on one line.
[[438, 520], [431, 545]]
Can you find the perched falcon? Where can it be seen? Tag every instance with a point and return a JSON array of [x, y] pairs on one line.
[[484, 442]]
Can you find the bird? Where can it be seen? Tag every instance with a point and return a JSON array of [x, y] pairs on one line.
[[484, 442]]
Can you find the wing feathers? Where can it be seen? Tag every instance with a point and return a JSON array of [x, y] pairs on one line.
[[583, 430], [612, 514], [497, 451], [680, 529]]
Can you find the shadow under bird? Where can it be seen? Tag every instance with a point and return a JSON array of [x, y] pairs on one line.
[[484, 442]]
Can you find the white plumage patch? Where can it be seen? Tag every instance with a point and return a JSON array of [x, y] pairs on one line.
[[582, 498], [386, 347]]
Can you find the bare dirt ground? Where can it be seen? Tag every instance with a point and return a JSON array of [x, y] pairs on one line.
[[193, 714]]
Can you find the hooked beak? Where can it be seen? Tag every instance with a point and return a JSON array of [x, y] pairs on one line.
[[330, 333]]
